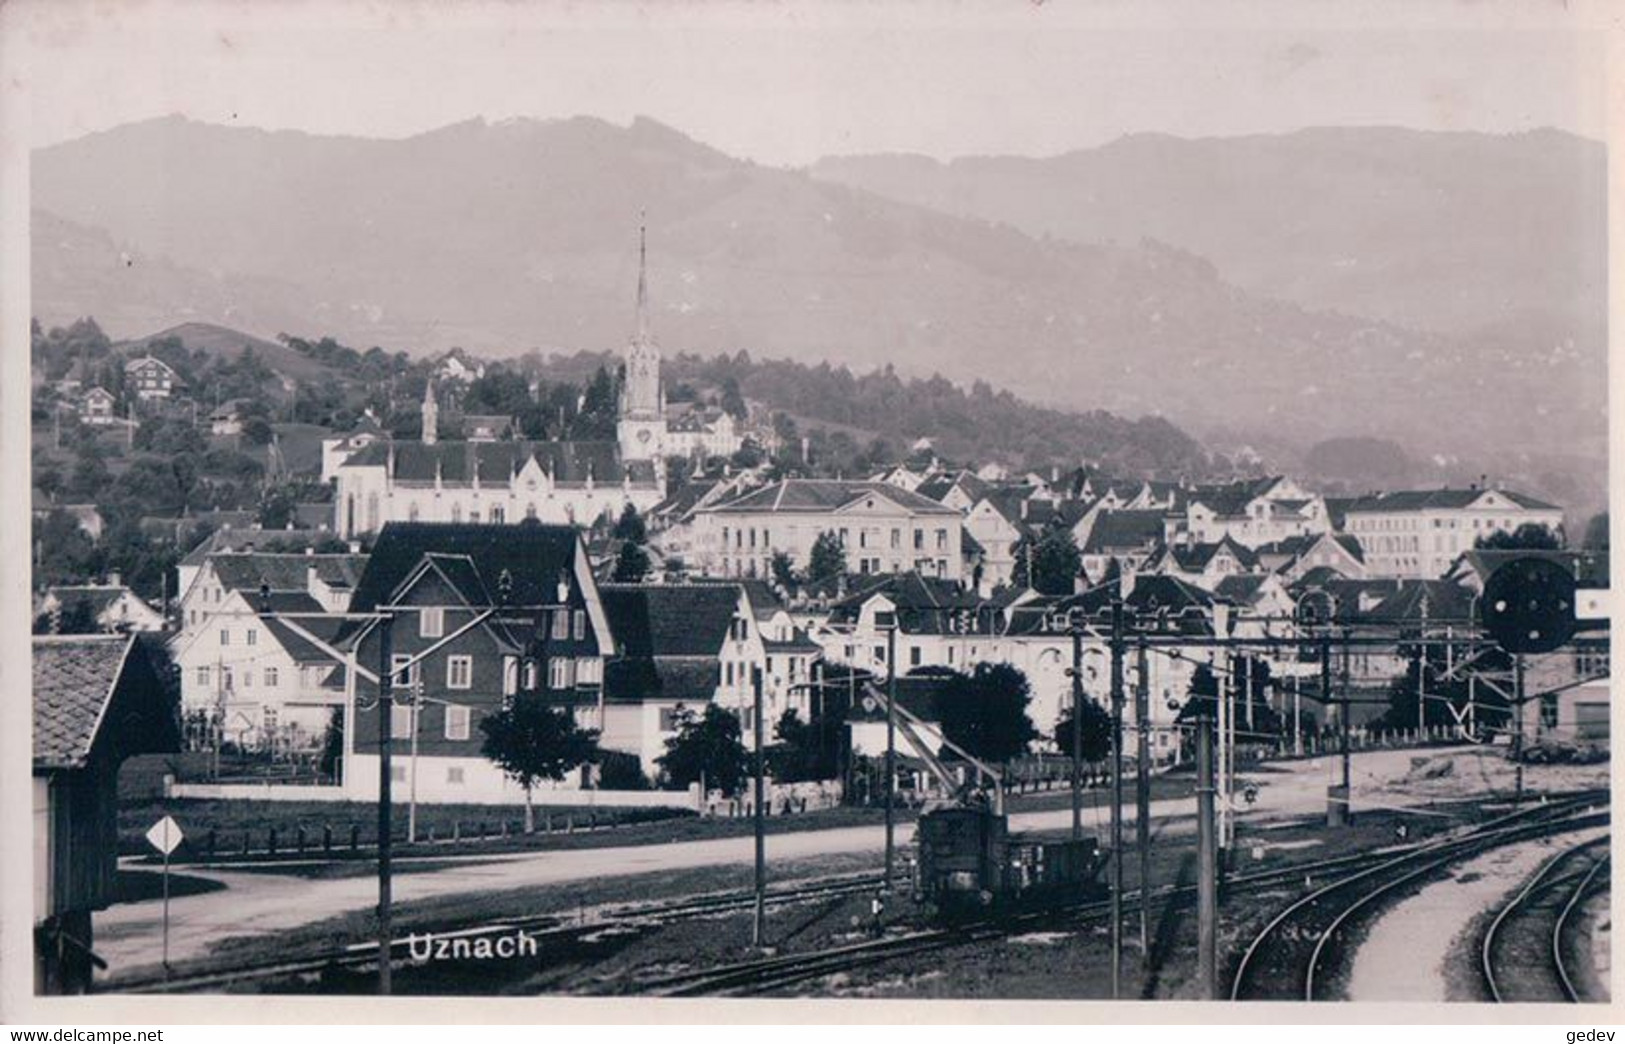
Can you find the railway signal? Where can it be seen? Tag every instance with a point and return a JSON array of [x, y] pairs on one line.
[[1528, 605]]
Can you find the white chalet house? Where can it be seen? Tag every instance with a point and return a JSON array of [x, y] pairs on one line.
[[115, 607], [266, 684], [151, 378], [1259, 511]]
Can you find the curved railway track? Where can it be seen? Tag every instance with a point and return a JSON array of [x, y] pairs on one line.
[[1521, 954], [763, 975], [1293, 956]]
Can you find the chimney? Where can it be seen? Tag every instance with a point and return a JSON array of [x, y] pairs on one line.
[[310, 550], [115, 579], [355, 547]]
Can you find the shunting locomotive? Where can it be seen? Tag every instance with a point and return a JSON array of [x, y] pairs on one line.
[[969, 865]]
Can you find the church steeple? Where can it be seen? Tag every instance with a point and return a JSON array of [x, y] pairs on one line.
[[643, 280], [431, 414], [641, 396]]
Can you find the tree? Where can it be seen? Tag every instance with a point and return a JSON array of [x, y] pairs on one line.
[[530, 741], [706, 747], [1531, 536], [276, 508], [332, 744], [985, 712], [1049, 564], [828, 557], [256, 432], [632, 564], [1596, 536], [1097, 732], [783, 568], [630, 526], [804, 750], [732, 401], [74, 617]]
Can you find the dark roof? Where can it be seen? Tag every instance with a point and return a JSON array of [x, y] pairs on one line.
[[657, 620], [247, 571], [1195, 557], [1423, 499], [686, 679], [939, 486], [1590, 568], [1239, 590], [1124, 530], [533, 555], [825, 495], [249, 539], [684, 499], [1337, 509], [298, 646], [497, 462], [97, 598], [1416, 600], [90, 691], [908, 591]]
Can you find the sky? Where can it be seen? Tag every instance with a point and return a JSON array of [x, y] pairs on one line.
[[786, 83]]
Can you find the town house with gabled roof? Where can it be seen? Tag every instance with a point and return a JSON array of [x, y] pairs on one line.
[[682, 647], [490, 614]]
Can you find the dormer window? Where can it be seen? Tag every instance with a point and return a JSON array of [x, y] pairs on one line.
[[431, 622]]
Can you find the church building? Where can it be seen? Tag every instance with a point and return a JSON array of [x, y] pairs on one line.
[[648, 428]]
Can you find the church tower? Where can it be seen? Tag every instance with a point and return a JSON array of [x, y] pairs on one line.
[[642, 425], [431, 415]]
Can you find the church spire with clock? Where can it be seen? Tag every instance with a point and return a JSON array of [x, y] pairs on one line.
[[642, 425]]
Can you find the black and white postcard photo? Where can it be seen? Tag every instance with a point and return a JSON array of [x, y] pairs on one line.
[[853, 506]]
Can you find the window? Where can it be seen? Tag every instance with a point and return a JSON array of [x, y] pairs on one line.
[[880, 654], [226, 678], [668, 719], [457, 723], [589, 671], [431, 623], [400, 722], [400, 674], [498, 515], [456, 512], [915, 655], [203, 676], [454, 775], [919, 540], [896, 539], [459, 672], [580, 624], [510, 675], [225, 637], [530, 674], [942, 540], [728, 674], [1548, 711], [253, 636], [269, 717], [397, 773], [558, 673], [248, 678], [270, 677], [561, 624]]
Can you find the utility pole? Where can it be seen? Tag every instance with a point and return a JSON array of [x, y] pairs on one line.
[[891, 747], [1517, 728], [1077, 732], [1142, 795], [386, 708], [1337, 803], [758, 924], [415, 694], [1224, 683], [1207, 888], [1117, 795], [1297, 717], [1343, 715]]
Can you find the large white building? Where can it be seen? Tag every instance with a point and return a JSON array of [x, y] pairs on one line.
[[431, 481], [1420, 533], [882, 528]]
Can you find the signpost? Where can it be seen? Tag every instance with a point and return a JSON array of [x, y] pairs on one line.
[[165, 835]]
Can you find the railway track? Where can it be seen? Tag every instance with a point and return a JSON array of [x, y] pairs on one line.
[[1522, 953], [766, 974], [1293, 957], [546, 928]]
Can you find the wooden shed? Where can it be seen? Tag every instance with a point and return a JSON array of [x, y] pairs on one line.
[[97, 700]]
